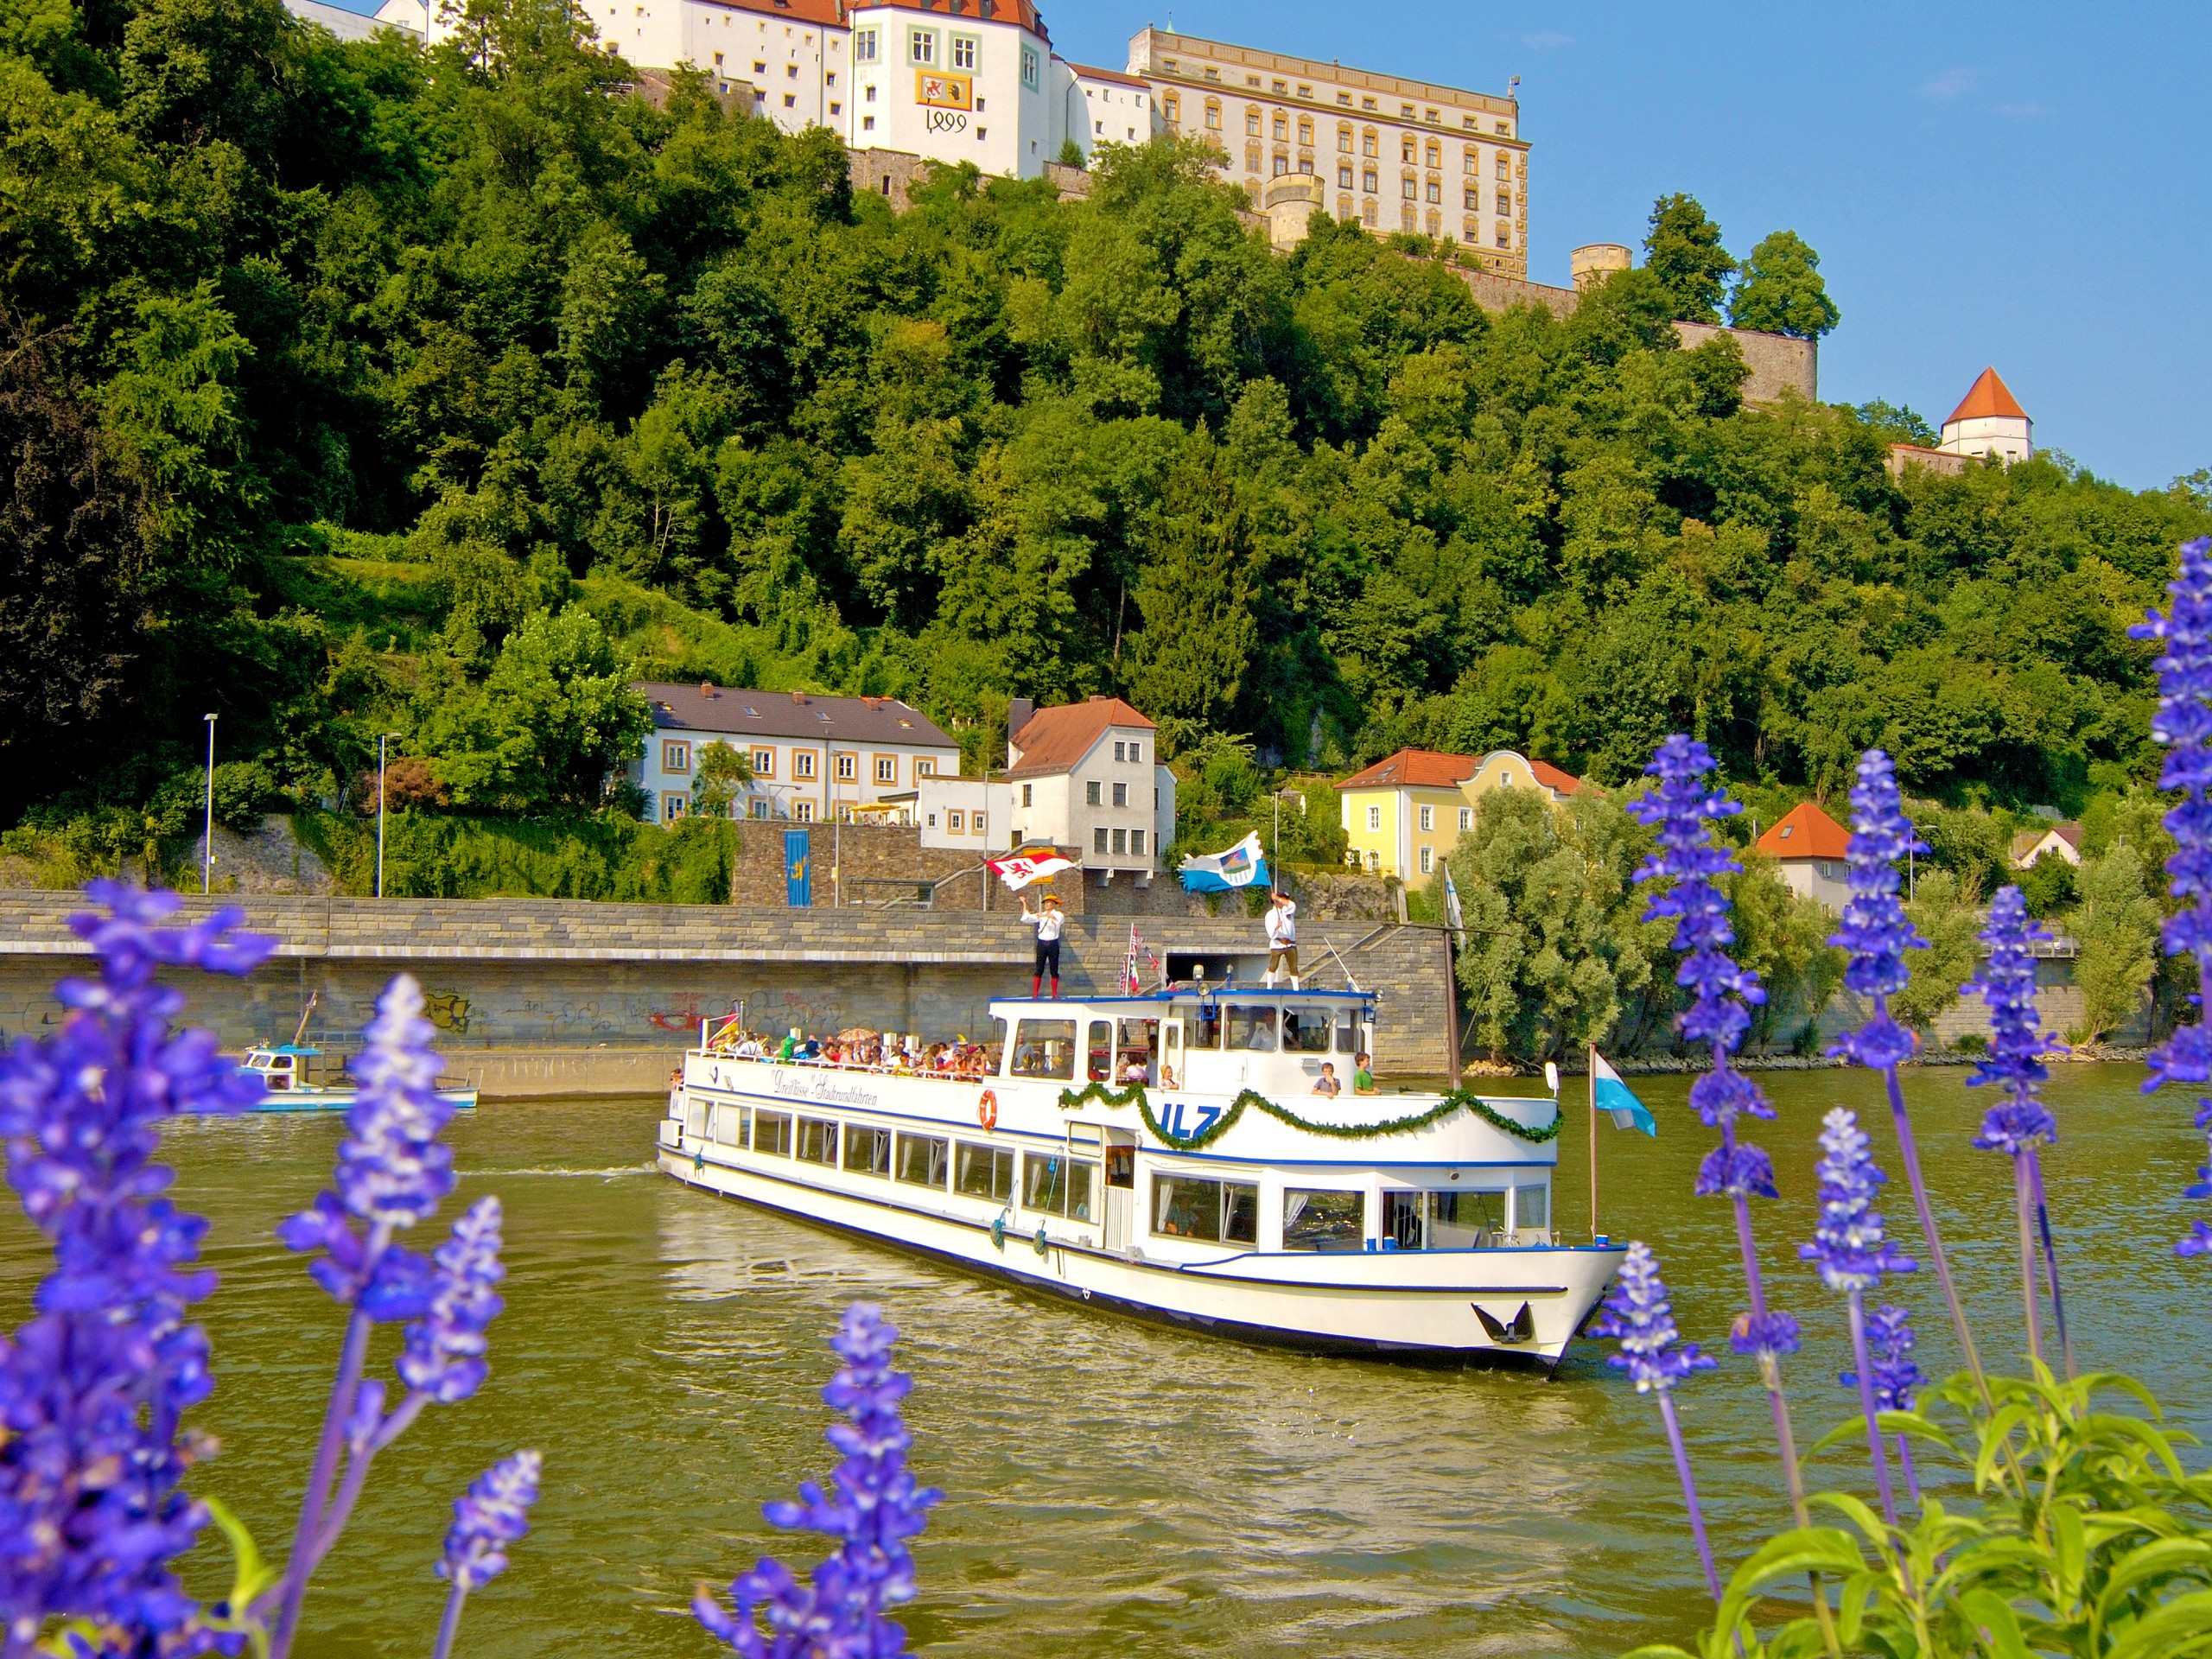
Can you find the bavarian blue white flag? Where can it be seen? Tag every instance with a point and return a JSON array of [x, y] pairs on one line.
[[1613, 1096], [1240, 867]]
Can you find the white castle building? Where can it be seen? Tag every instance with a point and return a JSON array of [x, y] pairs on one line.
[[978, 81], [1989, 421]]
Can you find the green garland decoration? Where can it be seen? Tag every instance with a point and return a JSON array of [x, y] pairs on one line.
[[1458, 1100]]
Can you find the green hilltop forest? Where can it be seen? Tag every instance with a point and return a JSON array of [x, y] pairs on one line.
[[351, 390]]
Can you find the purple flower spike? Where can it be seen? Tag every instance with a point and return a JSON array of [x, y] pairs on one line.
[[92, 1388], [2183, 723], [444, 1355], [1890, 1343], [1874, 929], [1640, 1315], [874, 1508], [2007, 988], [1848, 1245], [492, 1514]]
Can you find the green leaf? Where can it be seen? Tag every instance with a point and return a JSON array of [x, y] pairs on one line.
[[252, 1574], [2000, 1629], [2180, 1626]]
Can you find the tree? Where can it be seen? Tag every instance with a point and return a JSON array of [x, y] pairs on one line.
[[551, 722], [2116, 926], [1070, 153], [719, 775], [1682, 250], [1554, 943], [1196, 598], [1947, 913], [1782, 292]]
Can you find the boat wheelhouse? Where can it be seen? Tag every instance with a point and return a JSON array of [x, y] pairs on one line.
[[1177, 1156]]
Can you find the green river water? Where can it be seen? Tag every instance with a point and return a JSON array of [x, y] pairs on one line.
[[1112, 1488]]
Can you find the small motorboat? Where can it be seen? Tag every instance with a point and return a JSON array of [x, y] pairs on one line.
[[287, 1072]]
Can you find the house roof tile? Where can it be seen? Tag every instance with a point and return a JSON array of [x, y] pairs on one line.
[[1552, 777], [1805, 831], [1988, 397], [1091, 72], [1019, 11], [1415, 769], [728, 711], [1054, 739]]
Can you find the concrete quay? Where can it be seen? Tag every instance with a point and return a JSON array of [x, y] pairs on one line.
[[543, 997]]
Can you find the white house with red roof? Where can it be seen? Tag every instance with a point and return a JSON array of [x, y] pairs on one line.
[[1087, 776], [1807, 847], [1989, 421]]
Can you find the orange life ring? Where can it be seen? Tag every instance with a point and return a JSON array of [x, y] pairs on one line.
[[986, 1111]]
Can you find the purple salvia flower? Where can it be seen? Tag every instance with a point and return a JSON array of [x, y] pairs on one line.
[[874, 1508], [444, 1353], [1853, 1253], [2183, 723], [1875, 930], [1876, 933], [1889, 1344], [92, 1388], [1640, 1315], [2019, 1123], [1848, 1245], [493, 1514], [1682, 809]]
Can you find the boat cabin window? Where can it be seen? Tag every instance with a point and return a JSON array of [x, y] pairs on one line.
[[1045, 1048], [867, 1152], [1052, 1184], [983, 1172], [1212, 1210], [1205, 1027], [1472, 1220], [1347, 1032], [1252, 1029], [1098, 1052], [1306, 1031], [695, 1117], [1323, 1221], [818, 1141], [922, 1160], [1121, 1167], [1138, 1052], [1532, 1209], [772, 1132], [730, 1125]]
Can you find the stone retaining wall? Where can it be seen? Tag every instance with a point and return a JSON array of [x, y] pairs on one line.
[[560, 977]]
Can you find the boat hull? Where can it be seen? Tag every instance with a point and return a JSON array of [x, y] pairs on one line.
[[1364, 1305], [339, 1100]]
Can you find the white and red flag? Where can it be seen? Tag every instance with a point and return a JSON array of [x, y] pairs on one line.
[[1018, 872]]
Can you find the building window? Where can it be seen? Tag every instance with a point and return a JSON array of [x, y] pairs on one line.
[[1505, 204], [802, 763], [1406, 151], [1345, 211], [1171, 107], [673, 807], [1428, 817], [921, 46], [1252, 124], [1120, 794], [1474, 196], [1344, 177], [1251, 158], [1027, 798], [1466, 819], [924, 768], [1213, 115], [864, 46], [764, 763], [718, 60], [1098, 839], [1090, 794], [1136, 754], [848, 767], [1411, 186], [963, 51], [803, 812], [1283, 126], [1367, 210], [1469, 162], [790, 100], [1305, 132], [1344, 140], [1367, 182], [886, 768], [760, 806], [1028, 68], [1427, 860], [1121, 842], [1136, 841], [1504, 166], [1435, 154], [1505, 237], [791, 72], [979, 823], [676, 757], [1367, 144], [1435, 190], [953, 821], [1121, 751], [1282, 163], [1373, 818]]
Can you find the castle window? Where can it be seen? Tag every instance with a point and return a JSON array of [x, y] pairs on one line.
[[1504, 165], [1504, 130], [1366, 103], [1345, 209], [1305, 132], [1435, 191], [1505, 204], [1408, 216], [1344, 175], [1405, 111], [1468, 122], [921, 46], [1283, 126], [1472, 162], [1251, 158], [1344, 99], [1435, 154], [1252, 123], [1406, 151], [1474, 197], [1473, 229], [1213, 115], [1029, 72], [1435, 222], [1367, 182], [1174, 106], [1367, 212], [1412, 187], [1505, 237], [1344, 139], [963, 51], [1367, 144], [1278, 87]]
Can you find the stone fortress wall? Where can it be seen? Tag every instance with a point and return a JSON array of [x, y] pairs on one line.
[[549, 996]]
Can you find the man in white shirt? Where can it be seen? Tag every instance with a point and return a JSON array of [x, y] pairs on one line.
[[1282, 939], [1049, 924]]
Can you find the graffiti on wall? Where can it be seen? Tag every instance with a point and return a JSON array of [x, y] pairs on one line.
[[446, 1010]]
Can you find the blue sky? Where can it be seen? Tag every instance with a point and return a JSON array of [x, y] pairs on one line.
[[2025, 185]]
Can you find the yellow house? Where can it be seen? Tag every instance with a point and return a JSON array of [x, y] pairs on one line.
[[1404, 814]]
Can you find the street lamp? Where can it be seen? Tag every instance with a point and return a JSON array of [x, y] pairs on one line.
[[207, 835], [381, 737]]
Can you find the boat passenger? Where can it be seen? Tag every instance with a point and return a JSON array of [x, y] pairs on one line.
[[788, 1050], [1327, 1083], [1133, 1069], [1282, 939], [1362, 1080], [1049, 924]]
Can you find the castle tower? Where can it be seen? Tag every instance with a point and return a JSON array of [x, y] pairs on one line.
[[1989, 421]]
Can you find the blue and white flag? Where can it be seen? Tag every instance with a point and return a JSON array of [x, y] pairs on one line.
[[1451, 911], [1613, 1096], [1240, 867]]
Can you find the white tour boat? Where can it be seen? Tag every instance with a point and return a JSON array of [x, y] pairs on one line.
[[1166, 1155]]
